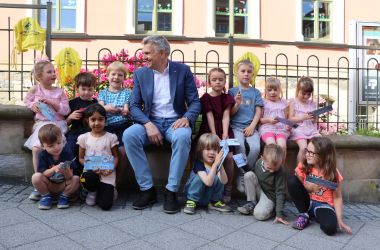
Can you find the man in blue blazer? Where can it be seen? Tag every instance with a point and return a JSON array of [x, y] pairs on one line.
[[164, 105]]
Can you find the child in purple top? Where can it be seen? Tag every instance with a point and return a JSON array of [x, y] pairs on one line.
[[271, 130]]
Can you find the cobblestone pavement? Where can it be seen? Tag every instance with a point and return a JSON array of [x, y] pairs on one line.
[[24, 226]]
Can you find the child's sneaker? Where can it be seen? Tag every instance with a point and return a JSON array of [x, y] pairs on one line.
[[301, 222], [35, 195], [91, 198], [83, 194], [45, 202], [248, 208], [189, 207], [219, 206], [63, 201]]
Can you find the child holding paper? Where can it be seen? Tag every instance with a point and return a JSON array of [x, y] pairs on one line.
[[216, 106], [300, 109], [321, 202], [205, 184], [100, 183], [271, 130]]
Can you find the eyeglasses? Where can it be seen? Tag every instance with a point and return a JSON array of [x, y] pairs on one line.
[[308, 152]]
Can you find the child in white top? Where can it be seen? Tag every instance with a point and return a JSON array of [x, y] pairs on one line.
[[271, 130], [99, 183], [44, 93]]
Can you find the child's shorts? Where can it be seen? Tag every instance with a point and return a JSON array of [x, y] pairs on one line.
[[314, 205], [276, 136]]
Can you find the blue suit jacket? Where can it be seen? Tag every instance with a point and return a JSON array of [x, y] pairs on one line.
[[183, 92]]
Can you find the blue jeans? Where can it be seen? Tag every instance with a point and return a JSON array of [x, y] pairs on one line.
[[197, 191], [135, 138]]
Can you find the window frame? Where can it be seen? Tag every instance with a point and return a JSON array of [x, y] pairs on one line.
[[337, 22], [316, 19], [253, 13], [79, 17], [176, 12]]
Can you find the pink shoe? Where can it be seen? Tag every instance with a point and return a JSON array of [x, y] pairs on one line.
[[301, 222]]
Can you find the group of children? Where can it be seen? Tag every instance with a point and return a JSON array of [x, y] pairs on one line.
[[96, 126], [79, 128]]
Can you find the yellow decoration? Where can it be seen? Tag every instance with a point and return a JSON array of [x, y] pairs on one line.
[[68, 64], [256, 66]]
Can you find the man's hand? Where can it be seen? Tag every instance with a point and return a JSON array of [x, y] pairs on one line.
[[181, 123], [153, 133]]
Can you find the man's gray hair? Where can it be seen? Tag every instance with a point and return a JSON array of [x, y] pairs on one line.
[[160, 43]]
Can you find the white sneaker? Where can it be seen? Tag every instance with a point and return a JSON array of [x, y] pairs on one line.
[[91, 198], [240, 183]]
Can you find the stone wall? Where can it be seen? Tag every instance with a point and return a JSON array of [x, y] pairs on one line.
[[358, 157]]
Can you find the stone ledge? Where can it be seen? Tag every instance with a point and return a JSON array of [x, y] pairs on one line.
[[15, 112]]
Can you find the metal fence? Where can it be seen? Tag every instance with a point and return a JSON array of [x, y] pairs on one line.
[[349, 85]]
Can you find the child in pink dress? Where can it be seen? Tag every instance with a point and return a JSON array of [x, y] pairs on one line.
[[299, 112], [41, 98], [272, 131]]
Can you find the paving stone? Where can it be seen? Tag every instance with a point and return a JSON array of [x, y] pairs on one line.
[[71, 222], [5, 196], [278, 232], [16, 189], [175, 239], [309, 241], [6, 205], [234, 220], [115, 214], [13, 216], [170, 219], [364, 241], [99, 237], [213, 246], [32, 209], [135, 245], [242, 240], [56, 243], [28, 232], [284, 247], [139, 226], [206, 229]]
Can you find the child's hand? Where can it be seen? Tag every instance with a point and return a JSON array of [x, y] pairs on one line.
[[344, 227], [311, 187], [218, 158], [225, 136], [76, 115], [273, 121], [307, 116], [105, 172], [238, 98], [111, 108], [248, 131], [125, 111], [280, 220], [35, 107]]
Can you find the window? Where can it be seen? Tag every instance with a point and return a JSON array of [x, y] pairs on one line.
[[235, 17], [154, 16], [316, 19], [320, 20], [67, 15]]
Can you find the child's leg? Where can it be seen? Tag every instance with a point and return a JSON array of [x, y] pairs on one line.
[[229, 168], [216, 191], [195, 191], [121, 167], [298, 194], [302, 144], [90, 180], [281, 141], [41, 183], [104, 198], [251, 185], [72, 186], [35, 155], [254, 148], [264, 208], [327, 220]]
